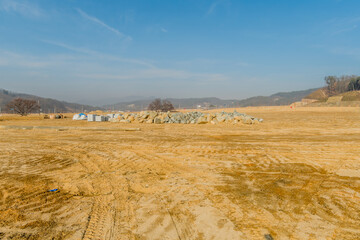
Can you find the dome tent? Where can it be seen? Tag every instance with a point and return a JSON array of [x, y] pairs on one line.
[[80, 116]]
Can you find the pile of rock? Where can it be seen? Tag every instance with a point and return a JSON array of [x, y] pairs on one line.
[[184, 118]]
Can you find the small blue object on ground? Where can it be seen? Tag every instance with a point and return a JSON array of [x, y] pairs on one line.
[[53, 190]]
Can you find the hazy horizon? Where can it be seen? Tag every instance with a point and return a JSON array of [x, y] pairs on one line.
[[91, 51]]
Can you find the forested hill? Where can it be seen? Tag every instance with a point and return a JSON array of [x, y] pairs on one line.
[[277, 99], [48, 105]]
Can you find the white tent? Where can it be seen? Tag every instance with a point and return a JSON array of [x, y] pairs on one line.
[[80, 116]]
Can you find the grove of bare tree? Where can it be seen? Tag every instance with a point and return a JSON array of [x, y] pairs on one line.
[[336, 85], [162, 106]]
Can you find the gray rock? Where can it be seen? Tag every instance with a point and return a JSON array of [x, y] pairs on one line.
[[152, 115], [220, 119], [157, 120], [247, 120], [183, 118]]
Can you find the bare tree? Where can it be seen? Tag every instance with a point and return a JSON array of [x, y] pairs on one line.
[[336, 85], [342, 84], [331, 84], [167, 106], [22, 106], [155, 105], [158, 105]]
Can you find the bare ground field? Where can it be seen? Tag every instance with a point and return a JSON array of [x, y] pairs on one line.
[[295, 176]]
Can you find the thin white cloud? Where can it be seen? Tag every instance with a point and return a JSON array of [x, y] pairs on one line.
[[22, 8], [217, 3], [338, 26], [348, 29], [98, 54], [200, 61], [353, 52], [101, 23], [159, 74], [8, 58], [68, 47], [164, 30], [210, 63], [212, 7], [89, 64], [354, 20]]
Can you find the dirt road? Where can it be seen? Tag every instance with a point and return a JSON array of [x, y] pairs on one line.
[[295, 176]]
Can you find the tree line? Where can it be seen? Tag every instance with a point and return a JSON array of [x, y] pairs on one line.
[[345, 83]]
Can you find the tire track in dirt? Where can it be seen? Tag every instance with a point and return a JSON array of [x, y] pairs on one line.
[[278, 168], [101, 219], [171, 181], [300, 180], [26, 199], [176, 201], [27, 205]]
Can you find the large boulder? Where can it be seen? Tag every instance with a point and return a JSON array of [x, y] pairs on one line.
[[239, 118], [202, 120], [152, 115], [157, 120], [247, 120], [220, 118]]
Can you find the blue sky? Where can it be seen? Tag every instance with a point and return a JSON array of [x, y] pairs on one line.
[[100, 51]]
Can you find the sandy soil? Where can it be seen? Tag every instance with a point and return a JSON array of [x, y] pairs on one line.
[[295, 176]]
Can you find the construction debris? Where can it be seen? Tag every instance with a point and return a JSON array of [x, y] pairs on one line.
[[172, 117], [184, 118], [56, 116]]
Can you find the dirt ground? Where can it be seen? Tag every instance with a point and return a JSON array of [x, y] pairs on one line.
[[295, 176]]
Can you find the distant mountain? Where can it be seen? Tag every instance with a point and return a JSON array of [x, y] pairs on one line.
[[110, 100], [48, 105], [277, 99], [180, 103], [282, 98]]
